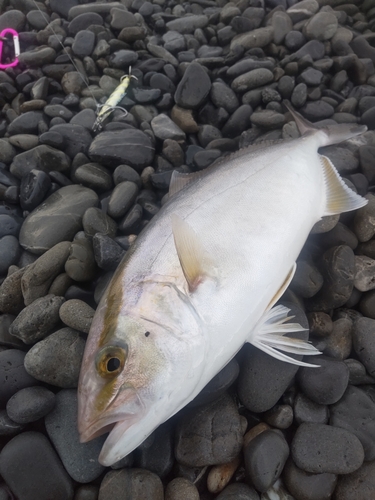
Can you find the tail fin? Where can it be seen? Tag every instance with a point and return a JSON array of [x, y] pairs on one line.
[[269, 333], [332, 134]]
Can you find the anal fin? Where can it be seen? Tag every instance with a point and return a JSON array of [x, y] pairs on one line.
[[339, 197], [269, 336], [280, 292]]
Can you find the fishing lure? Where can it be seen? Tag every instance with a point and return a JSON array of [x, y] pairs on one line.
[[16, 44], [112, 102]]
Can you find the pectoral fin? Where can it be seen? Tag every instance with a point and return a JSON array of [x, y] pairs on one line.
[[339, 197], [269, 336], [195, 262]]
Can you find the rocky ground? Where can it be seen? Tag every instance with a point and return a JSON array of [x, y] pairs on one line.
[[212, 77]]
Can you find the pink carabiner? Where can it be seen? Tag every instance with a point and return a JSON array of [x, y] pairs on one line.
[[16, 43]]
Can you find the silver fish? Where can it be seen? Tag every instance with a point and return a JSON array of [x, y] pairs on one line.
[[203, 279]]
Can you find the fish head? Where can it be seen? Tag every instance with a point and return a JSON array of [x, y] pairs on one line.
[[136, 359]]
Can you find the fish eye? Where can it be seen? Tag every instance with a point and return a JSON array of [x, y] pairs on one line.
[[110, 361]]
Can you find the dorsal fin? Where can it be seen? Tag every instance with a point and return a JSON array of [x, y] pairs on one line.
[[195, 262], [179, 180], [339, 197]]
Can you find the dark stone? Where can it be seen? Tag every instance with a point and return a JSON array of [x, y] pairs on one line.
[[108, 254], [132, 222], [238, 491], [42, 157], [157, 457], [326, 384], [193, 88], [13, 376], [93, 176], [34, 187], [209, 435], [307, 411], [319, 448], [10, 252], [238, 122], [77, 138], [30, 404], [359, 485], [307, 280], [305, 486], [363, 342], [131, 484], [83, 21], [96, 221], [31, 468], [80, 265], [265, 456], [27, 123], [317, 110]]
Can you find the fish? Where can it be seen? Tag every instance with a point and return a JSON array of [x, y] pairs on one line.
[[202, 279], [106, 109]]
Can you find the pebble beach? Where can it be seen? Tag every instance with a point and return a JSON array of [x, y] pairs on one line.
[[210, 77]]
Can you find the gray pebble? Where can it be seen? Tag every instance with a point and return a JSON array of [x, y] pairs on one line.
[[108, 253], [37, 319], [10, 252], [252, 79], [80, 265], [267, 119], [42, 157], [122, 198], [181, 489], [355, 413], [77, 315], [11, 298], [6, 339], [56, 360], [194, 86], [93, 176], [13, 376], [96, 221], [364, 278], [9, 427], [359, 485], [339, 343], [305, 486], [83, 43], [322, 26], [319, 448], [32, 469], [326, 384], [158, 457], [238, 491], [131, 484], [79, 459], [363, 342], [188, 24], [164, 128], [307, 280], [30, 404], [307, 411], [209, 435], [280, 416]]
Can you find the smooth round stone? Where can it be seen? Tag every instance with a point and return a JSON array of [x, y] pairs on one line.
[[93, 176], [10, 252], [305, 486], [10, 224], [164, 128], [132, 222], [126, 173], [45, 158], [87, 492], [122, 19], [80, 265], [79, 459], [108, 253], [263, 379], [58, 219], [359, 485], [307, 411], [9, 427], [77, 139], [7, 151], [280, 416], [267, 119], [307, 280], [187, 24], [37, 19], [265, 456], [58, 110], [39, 56], [223, 96], [129, 146], [363, 342], [339, 344], [181, 489], [238, 122], [57, 359], [34, 187], [208, 133], [30, 404], [37, 278], [354, 412], [339, 235], [53, 139], [77, 315], [13, 376], [13, 19], [84, 118], [122, 198], [123, 58], [6, 339], [326, 223], [131, 484], [252, 80], [318, 448], [326, 384], [83, 43], [157, 457], [32, 469], [299, 95], [317, 110], [257, 38], [209, 435], [27, 123], [38, 319], [364, 221], [364, 273], [357, 372], [194, 86], [322, 26], [96, 221], [11, 298], [238, 491]]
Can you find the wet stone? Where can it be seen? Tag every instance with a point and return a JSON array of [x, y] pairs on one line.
[[205, 437], [96, 221], [307, 486], [326, 384], [307, 280], [37, 278], [318, 448], [32, 469], [38, 319], [265, 456], [57, 359], [27, 123], [42, 157], [108, 254], [34, 187], [93, 176], [80, 265], [238, 121], [11, 298], [193, 88], [30, 404], [77, 139], [77, 315], [8, 427], [307, 411], [354, 412], [131, 147], [132, 222], [58, 219], [79, 459], [13, 376], [122, 198]]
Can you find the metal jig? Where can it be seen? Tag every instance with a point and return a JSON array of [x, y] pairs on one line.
[[104, 110], [16, 44]]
